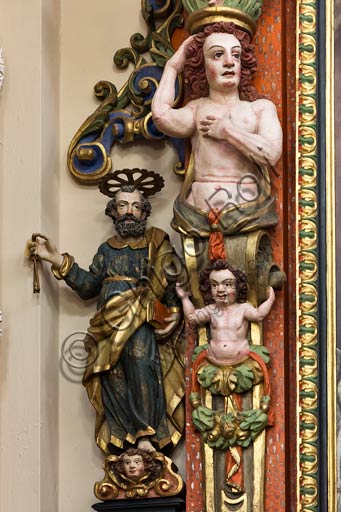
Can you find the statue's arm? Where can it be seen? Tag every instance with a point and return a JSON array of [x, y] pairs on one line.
[[169, 120], [263, 147], [187, 305], [86, 283], [194, 316], [258, 314], [269, 135], [44, 248]]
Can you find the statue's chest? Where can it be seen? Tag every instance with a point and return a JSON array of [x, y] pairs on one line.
[[128, 262], [240, 116]]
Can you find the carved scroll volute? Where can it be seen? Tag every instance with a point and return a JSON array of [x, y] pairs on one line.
[[125, 116]]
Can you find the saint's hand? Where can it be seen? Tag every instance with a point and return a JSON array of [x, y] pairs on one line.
[[172, 321], [178, 60], [214, 127], [44, 248]]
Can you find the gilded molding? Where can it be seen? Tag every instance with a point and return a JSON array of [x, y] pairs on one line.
[[331, 248], [307, 236]]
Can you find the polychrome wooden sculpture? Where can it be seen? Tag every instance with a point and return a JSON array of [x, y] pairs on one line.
[[138, 474], [228, 367], [222, 212], [134, 372], [236, 138]]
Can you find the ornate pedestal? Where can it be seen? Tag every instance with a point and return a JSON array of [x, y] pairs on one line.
[[150, 505]]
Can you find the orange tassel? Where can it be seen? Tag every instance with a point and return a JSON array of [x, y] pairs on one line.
[[216, 247]]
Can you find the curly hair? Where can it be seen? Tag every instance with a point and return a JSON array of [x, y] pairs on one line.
[[195, 74], [205, 285], [111, 208], [149, 463]]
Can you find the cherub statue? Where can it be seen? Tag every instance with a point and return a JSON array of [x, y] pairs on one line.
[[229, 366], [228, 315], [134, 463], [138, 473]]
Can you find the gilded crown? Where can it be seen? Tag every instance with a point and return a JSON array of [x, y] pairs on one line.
[[243, 13]]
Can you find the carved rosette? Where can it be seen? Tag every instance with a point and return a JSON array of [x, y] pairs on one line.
[[307, 306]]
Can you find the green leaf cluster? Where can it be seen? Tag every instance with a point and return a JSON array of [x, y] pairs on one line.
[[245, 378], [198, 351], [222, 430], [208, 377], [203, 418], [261, 351]]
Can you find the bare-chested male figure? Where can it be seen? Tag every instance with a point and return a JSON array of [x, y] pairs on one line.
[[232, 138], [229, 314]]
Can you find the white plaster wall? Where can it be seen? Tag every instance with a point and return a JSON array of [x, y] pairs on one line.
[[29, 174], [91, 33]]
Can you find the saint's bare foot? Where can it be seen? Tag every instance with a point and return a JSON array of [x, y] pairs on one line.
[[146, 445]]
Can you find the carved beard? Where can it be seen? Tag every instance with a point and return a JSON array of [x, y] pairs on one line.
[[135, 228]]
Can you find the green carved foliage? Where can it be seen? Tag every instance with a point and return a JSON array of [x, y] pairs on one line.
[[221, 430], [262, 351], [243, 378], [208, 377]]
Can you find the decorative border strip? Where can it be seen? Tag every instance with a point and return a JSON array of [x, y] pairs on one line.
[[331, 260], [307, 274]]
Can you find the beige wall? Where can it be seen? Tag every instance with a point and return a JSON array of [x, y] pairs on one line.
[[55, 52], [29, 163]]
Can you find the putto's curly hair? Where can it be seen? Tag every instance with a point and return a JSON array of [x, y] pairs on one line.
[[149, 463], [194, 69], [205, 285], [111, 208]]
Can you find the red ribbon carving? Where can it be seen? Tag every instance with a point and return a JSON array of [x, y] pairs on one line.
[[216, 247]]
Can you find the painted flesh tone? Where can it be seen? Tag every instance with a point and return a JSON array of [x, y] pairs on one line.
[[228, 319], [230, 138], [133, 466]]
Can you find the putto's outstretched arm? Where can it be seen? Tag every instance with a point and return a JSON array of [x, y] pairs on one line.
[[187, 305], [194, 316], [258, 314]]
